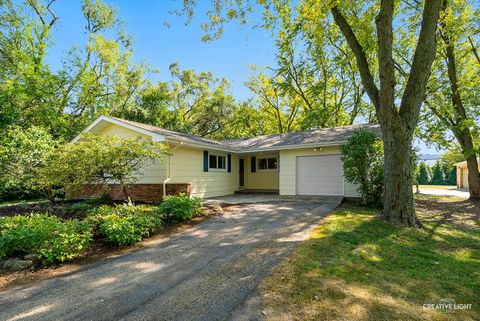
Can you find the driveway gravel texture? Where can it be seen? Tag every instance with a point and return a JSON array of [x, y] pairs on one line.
[[209, 272]]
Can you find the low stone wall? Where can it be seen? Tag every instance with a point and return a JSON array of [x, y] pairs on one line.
[[137, 192]]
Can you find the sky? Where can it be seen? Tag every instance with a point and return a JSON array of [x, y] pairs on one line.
[[159, 46]]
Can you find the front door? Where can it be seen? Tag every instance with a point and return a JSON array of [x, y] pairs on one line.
[[241, 172]]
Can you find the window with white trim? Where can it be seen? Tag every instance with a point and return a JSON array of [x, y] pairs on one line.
[[267, 163], [217, 162]]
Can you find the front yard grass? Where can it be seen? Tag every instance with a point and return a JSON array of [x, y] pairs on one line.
[[356, 267]]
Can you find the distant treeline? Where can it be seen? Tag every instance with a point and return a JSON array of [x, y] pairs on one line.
[[439, 174]]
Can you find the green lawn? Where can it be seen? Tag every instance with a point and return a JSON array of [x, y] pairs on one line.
[[355, 267]]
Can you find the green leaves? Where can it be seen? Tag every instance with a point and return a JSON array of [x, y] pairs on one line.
[[97, 77], [181, 207], [453, 96], [104, 160], [99, 15], [362, 157], [45, 235], [125, 224], [32, 159], [193, 102]]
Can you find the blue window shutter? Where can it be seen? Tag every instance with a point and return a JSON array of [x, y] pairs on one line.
[[205, 161], [229, 163], [253, 164]]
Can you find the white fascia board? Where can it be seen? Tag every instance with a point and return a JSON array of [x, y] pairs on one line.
[[298, 146], [155, 137], [255, 150], [202, 146]]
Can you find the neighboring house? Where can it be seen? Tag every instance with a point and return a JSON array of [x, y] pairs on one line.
[[297, 163], [462, 174]]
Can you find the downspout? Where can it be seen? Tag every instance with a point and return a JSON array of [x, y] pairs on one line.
[[169, 178]]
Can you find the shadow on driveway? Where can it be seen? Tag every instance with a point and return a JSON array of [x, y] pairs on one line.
[[209, 272]]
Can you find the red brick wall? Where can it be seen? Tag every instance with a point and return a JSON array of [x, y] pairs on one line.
[[137, 192]]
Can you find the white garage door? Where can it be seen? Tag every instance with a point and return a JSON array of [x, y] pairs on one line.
[[319, 175]]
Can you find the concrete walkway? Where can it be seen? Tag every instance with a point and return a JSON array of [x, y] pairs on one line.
[[445, 192], [209, 272], [269, 198]]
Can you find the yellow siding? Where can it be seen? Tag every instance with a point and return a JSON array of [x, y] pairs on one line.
[[288, 169], [261, 179], [153, 174], [187, 167], [115, 130], [462, 175]]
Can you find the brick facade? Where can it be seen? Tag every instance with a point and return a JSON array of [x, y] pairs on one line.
[[137, 192]]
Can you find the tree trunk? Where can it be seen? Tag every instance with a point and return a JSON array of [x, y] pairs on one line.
[[473, 178], [398, 207], [398, 124], [50, 195], [460, 130], [465, 139], [125, 194]]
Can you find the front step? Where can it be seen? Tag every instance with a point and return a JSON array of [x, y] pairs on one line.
[[258, 191]]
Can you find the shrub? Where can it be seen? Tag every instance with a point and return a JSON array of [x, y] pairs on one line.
[[362, 157], [126, 224], [438, 174], [46, 236], [80, 209], [424, 174], [181, 207]]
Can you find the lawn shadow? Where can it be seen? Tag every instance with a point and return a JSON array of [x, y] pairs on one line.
[[356, 267]]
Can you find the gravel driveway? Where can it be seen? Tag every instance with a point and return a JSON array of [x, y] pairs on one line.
[[209, 272]]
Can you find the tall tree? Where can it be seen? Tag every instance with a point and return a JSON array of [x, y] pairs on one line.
[[96, 78], [192, 102], [27, 87], [368, 29], [315, 84], [424, 174], [438, 174], [453, 95]]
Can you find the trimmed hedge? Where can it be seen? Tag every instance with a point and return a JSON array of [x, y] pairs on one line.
[[44, 235]]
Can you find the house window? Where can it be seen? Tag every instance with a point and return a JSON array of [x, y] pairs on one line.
[[267, 163], [217, 162]]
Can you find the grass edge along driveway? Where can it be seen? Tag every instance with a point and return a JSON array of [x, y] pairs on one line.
[[355, 267]]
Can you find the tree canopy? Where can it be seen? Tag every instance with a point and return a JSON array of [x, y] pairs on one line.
[[367, 28], [412, 66]]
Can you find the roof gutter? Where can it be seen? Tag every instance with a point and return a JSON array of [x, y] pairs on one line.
[[256, 150], [297, 146]]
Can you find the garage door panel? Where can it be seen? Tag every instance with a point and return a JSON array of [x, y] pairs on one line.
[[319, 175]]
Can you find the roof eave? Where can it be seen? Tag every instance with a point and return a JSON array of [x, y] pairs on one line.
[[296, 146], [185, 142], [155, 137]]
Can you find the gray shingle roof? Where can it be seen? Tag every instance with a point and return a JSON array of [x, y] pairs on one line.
[[310, 137], [322, 136], [172, 134]]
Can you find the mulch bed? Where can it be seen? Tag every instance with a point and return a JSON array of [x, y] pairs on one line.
[[97, 249], [59, 209]]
